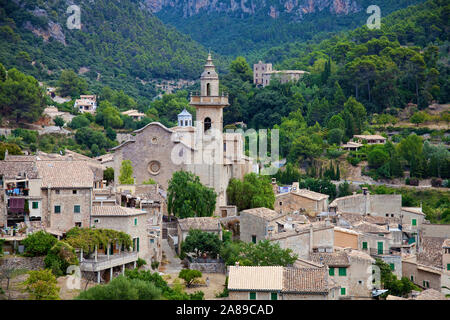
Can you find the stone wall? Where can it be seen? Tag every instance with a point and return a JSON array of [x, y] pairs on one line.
[[211, 267], [435, 230], [28, 263]]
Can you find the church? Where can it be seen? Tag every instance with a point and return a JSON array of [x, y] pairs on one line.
[[202, 147]]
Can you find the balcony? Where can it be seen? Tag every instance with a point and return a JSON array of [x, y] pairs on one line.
[[17, 192], [104, 262], [209, 100]]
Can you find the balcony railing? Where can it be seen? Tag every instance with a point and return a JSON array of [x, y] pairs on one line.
[[104, 262], [17, 192]]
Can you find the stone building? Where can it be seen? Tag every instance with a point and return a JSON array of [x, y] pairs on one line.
[[258, 70], [370, 138], [257, 223], [350, 269], [129, 220], [157, 151], [280, 283], [86, 103], [206, 224], [301, 200]]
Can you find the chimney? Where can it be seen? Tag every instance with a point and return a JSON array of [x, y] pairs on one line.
[[311, 232], [274, 185], [237, 264], [295, 186]]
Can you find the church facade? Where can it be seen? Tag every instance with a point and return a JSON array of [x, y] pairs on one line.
[[202, 147]]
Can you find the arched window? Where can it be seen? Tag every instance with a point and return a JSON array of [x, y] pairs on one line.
[[207, 124], [208, 89]]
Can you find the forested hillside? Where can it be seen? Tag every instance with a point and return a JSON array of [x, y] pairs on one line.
[[119, 44], [243, 27]]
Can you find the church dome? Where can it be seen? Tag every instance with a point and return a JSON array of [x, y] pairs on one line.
[[184, 119]]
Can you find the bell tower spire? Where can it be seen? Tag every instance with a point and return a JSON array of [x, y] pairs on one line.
[[209, 103]]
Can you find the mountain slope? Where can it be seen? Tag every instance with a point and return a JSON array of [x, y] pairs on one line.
[[119, 43], [238, 27]]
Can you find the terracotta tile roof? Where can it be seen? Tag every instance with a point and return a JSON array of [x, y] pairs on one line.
[[369, 227], [369, 136], [332, 259], [11, 169], [115, 211], [255, 278], [65, 174], [306, 194], [20, 158], [416, 210], [200, 223], [305, 280], [264, 213], [430, 253], [360, 255], [431, 294]]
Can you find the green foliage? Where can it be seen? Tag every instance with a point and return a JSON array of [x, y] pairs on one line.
[[89, 238], [122, 288], [255, 191], [389, 281], [140, 262], [42, 285], [201, 243], [108, 175], [264, 253], [149, 181], [70, 84], [377, 157], [59, 122], [13, 149], [335, 136], [344, 189], [126, 172], [38, 243], [189, 276], [21, 98], [188, 197], [79, 122], [60, 257]]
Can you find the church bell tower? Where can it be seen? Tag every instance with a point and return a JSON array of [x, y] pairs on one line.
[[210, 102]]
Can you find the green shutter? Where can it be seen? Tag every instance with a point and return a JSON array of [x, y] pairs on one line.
[[380, 247], [135, 222], [412, 278], [414, 222], [35, 205], [252, 295], [76, 209], [254, 239], [342, 271], [364, 245], [342, 291], [274, 296], [331, 271], [392, 266], [137, 244], [57, 209], [448, 266]]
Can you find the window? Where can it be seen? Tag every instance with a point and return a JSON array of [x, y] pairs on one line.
[[392, 266], [96, 221], [448, 266], [74, 191], [331, 271], [253, 238], [56, 191], [364, 245], [137, 244], [35, 205], [380, 247], [392, 215], [207, 124], [57, 209], [342, 291], [76, 208], [412, 278], [135, 221], [414, 222], [152, 240], [426, 284], [342, 271], [252, 295], [387, 214], [78, 224], [281, 203], [273, 296]]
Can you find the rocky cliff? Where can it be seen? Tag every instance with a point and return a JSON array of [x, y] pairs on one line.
[[271, 8]]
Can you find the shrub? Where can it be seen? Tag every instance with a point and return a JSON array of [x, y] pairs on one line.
[[38, 244], [155, 265], [413, 182], [42, 285], [60, 257], [189, 276], [140, 262], [122, 288]]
